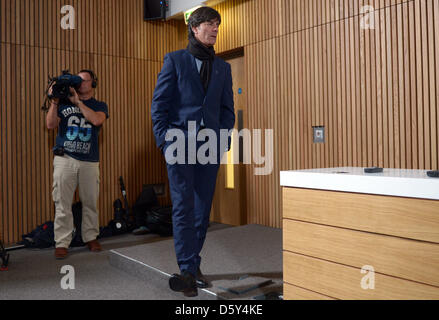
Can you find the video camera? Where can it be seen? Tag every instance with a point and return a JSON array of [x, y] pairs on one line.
[[61, 87]]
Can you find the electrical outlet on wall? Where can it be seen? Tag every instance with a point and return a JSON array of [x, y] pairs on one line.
[[319, 134]]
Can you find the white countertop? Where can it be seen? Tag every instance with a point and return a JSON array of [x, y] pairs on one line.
[[391, 182]]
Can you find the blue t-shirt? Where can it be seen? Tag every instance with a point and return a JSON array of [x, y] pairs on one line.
[[76, 135]]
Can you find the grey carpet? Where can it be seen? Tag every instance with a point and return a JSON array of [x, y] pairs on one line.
[[229, 254], [237, 261], [34, 274]]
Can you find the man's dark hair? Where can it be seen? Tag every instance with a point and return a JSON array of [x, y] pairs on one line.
[[203, 14]]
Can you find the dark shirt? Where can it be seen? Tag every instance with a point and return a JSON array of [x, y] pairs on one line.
[[76, 135]]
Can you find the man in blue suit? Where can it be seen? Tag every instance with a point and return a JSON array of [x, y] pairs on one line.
[[193, 87]]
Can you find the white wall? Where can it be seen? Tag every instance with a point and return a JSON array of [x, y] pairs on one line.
[[178, 7]]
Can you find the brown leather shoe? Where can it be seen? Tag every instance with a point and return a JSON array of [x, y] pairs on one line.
[[61, 253], [94, 246]]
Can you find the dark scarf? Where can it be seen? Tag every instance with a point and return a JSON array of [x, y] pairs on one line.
[[206, 55]]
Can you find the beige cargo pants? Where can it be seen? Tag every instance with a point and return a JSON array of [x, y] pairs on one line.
[[68, 174]]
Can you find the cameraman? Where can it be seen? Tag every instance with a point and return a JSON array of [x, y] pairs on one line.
[[76, 161]]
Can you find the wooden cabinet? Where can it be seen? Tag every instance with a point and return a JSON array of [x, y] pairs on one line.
[[336, 243]]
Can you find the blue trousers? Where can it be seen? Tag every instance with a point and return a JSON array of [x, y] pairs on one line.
[[192, 187]]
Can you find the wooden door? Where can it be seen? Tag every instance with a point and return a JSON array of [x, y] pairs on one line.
[[229, 202]]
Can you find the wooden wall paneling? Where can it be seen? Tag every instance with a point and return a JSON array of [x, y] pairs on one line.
[[145, 146], [249, 54], [26, 112], [108, 133], [91, 29], [136, 114], [273, 18], [251, 113], [27, 106], [368, 95], [264, 14], [425, 89], [281, 65], [302, 97], [307, 97], [32, 39], [39, 83], [4, 145], [13, 22], [14, 132], [295, 115], [289, 121], [377, 121], [354, 87], [277, 133], [131, 129], [373, 82], [126, 115], [433, 147], [3, 223], [116, 147], [310, 97], [334, 70], [139, 34], [30, 106], [6, 134], [406, 86], [274, 106], [389, 71], [412, 85], [258, 124], [21, 133], [325, 88], [328, 96], [231, 27], [343, 91], [289, 104], [6, 121], [10, 118], [374, 90], [321, 56], [358, 96], [17, 135], [419, 102], [262, 123], [320, 84], [436, 55], [299, 63], [313, 89], [2, 21], [400, 84]]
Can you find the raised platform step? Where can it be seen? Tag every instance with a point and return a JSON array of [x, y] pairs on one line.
[[240, 262]]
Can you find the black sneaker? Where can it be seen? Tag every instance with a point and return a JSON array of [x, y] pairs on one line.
[[200, 280], [184, 283]]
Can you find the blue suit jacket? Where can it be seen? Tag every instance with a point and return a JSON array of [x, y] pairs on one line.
[[179, 96]]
